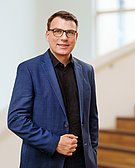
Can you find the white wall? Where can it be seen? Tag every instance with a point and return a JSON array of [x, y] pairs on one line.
[[115, 85], [22, 27], [18, 41]]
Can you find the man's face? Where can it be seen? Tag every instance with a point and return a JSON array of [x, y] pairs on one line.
[[61, 46]]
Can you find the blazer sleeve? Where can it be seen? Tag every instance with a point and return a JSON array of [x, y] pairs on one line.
[[20, 112], [93, 125]]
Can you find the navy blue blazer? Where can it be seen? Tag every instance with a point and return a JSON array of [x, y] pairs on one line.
[[37, 113]]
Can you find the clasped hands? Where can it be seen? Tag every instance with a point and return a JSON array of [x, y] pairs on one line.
[[67, 144]]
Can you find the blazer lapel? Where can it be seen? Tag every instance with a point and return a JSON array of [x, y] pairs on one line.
[[48, 67], [79, 78]]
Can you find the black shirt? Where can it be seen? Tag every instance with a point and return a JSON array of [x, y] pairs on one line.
[[67, 82]]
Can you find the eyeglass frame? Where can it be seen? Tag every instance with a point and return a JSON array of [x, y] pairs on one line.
[[66, 31]]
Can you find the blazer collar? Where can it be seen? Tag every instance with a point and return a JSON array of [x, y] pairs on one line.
[[48, 67], [79, 78]]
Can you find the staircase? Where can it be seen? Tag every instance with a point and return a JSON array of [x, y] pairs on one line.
[[117, 146]]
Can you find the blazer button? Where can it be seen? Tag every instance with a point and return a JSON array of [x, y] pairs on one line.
[[66, 125], [85, 144]]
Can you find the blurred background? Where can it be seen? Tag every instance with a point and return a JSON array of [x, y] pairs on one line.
[[106, 40]]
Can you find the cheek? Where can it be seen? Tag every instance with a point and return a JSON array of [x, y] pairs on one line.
[[73, 43], [52, 41]]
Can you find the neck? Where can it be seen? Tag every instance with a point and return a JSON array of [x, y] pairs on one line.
[[64, 59]]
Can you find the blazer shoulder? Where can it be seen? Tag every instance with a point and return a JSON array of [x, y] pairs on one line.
[[35, 60], [84, 65]]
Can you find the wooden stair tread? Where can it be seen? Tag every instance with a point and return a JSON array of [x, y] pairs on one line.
[[116, 155], [117, 148], [125, 123], [118, 131], [112, 165], [119, 138], [126, 118]]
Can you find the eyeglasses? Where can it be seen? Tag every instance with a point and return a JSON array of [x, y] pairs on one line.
[[59, 32]]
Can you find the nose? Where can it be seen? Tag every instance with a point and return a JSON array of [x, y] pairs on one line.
[[64, 35]]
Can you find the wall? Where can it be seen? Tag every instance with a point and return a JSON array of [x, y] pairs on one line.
[[18, 41], [115, 85]]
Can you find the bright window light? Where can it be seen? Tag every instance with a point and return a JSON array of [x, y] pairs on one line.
[[115, 24]]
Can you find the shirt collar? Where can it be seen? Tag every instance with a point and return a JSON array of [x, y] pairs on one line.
[[55, 61]]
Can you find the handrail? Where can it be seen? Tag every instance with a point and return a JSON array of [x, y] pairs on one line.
[[112, 57]]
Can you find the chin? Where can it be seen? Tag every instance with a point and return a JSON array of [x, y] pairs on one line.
[[63, 53]]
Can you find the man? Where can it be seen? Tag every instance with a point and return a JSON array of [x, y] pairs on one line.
[[53, 106]]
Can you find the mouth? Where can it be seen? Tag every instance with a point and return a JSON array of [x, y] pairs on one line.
[[63, 45]]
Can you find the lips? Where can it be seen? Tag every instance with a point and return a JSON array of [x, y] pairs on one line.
[[63, 45]]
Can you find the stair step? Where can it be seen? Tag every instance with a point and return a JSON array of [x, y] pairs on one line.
[[126, 123], [110, 165], [116, 155], [116, 148], [117, 137]]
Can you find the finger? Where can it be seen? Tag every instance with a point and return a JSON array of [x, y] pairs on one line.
[[70, 153], [73, 147], [73, 141], [71, 136]]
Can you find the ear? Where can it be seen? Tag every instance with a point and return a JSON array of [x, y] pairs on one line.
[[76, 35], [47, 34]]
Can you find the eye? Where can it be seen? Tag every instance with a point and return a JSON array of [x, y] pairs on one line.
[[70, 33], [58, 31]]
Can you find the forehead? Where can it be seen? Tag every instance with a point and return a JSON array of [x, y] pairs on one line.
[[62, 23]]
